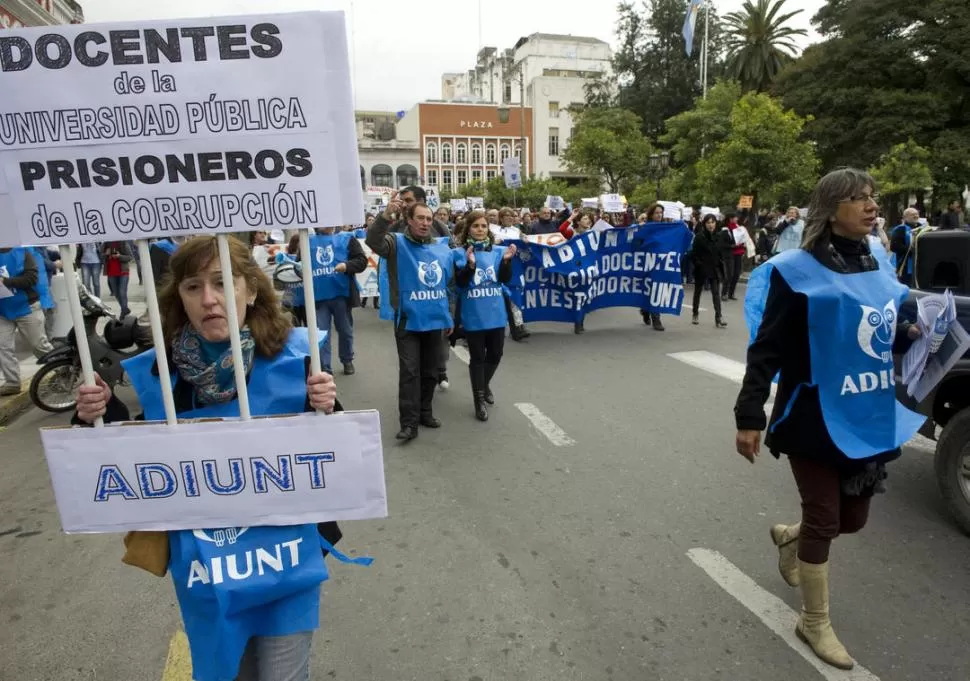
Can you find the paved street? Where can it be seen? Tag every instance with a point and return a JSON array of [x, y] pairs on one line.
[[535, 549]]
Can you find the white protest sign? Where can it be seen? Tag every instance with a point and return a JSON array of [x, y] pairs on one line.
[[431, 198], [555, 202], [273, 471], [707, 210], [602, 226], [458, 206], [612, 203], [672, 209], [208, 125], [512, 173], [367, 281], [476, 202], [591, 203]]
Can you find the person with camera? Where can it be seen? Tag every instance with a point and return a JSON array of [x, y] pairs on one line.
[[419, 268], [789, 231]]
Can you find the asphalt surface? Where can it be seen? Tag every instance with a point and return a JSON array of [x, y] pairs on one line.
[[507, 557]]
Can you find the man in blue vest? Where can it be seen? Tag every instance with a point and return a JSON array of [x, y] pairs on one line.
[[902, 246], [20, 310], [419, 269], [336, 258]]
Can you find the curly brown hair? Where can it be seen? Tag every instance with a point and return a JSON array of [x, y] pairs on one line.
[[269, 326]]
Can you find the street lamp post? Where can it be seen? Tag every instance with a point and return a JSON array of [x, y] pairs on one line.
[[503, 117], [658, 165]]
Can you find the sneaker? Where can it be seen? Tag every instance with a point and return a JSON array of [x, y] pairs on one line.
[[10, 389], [349, 369], [695, 320], [407, 433], [720, 323], [443, 384]]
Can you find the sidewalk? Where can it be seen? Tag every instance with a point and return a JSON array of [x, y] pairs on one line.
[[12, 406]]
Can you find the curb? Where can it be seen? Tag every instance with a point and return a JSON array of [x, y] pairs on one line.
[[13, 406]]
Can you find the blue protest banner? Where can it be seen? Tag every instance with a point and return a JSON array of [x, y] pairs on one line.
[[638, 266]]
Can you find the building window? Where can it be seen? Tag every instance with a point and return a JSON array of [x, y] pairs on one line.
[[446, 152], [382, 175], [476, 175], [431, 153], [553, 141], [461, 154], [462, 177], [433, 178], [446, 179], [490, 174], [518, 150], [490, 154], [508, 92], [553, 109], [506, 151], [476, 153]]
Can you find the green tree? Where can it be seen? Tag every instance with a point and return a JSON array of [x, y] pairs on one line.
[[903, 170], [763, 155], [758, 42], [608, 144]]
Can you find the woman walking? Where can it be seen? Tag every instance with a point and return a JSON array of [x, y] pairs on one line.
[[655, 213], [481, 309], [707, 259], [824, 317], [735, 242]]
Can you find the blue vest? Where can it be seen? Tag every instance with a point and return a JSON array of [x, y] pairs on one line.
[[360, 233], [43, 279], [166, 245], [482, 301], [326, 252], [12, 265], [236, 582], [851, 327], [909, 241], [423, 273]]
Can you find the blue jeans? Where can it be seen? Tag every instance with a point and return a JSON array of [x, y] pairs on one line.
[[91, 277], [277, 658], [337, 310], [119, 289]]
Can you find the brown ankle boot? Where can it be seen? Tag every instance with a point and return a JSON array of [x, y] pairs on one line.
[[785, 538]]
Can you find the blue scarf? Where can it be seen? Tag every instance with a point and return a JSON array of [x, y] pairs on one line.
[[208, 366]]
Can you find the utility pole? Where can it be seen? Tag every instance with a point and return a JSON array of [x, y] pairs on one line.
[[522, 154], [704, 55]]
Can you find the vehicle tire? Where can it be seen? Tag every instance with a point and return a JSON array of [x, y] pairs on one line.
[[953, 467], [54, 387]]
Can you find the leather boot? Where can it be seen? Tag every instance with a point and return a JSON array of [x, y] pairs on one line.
[[481, 411], [785, 538], [655, 322], [490, 370], [814, 626]]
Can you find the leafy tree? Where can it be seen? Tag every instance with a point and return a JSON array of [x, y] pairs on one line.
[[608, 144], [903, 170], [758, 42], [763, 155]]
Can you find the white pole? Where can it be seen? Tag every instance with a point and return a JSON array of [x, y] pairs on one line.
[[77, 316], [151, 296], [229, 291], [306, 258], [707, 23]]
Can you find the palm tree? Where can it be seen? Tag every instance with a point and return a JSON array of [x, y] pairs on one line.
[[758, 42]]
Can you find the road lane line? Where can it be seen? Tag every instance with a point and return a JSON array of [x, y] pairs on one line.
[[771, 610], [545, 425], [178, 664], [734, 371], [461, 353]]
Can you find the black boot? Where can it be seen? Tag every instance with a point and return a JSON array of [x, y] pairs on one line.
[[490, 370], [657, 324], [646, 316], [578, 328], [407, 433], [481, 411], [720, 323], [695, 320]]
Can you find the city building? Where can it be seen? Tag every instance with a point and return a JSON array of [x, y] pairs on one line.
[[22, 13], [462, 142], [546, 72], [385, 161]]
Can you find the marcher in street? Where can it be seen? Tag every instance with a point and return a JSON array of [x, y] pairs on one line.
[[825, 317], [117, 260], [902, 245], [508, 230], [708, 261], [481, 310], [545, 224], [419, 269], [578, 223], [735, 240], [789, 231], [953, 218], [88, 261], [195, 325], [21, 312], [655, 213]]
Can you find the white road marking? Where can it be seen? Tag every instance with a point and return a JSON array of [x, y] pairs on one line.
[[733, 371], [545, 425], [461, 353], [771, 610]]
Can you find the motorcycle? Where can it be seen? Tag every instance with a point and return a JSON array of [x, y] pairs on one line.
[[54, 386]]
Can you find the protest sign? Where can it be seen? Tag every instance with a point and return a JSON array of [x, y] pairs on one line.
[[746, 202], [476, 202], [612, 203], [555, 202], [431, 198], [634, 267], [273, 471], [591, 203], [707, 210], [459, 206], [673, 210], [601, 226], [367, 280], [176, 128], [512, 173]]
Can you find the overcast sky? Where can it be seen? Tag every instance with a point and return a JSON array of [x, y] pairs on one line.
[[400, 49]]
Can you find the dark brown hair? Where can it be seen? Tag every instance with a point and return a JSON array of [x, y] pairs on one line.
[[461, 234], [268, 324]]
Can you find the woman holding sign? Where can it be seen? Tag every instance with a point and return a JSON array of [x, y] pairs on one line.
[[481, 306], [824, 319], [241, 622], [655, 213]]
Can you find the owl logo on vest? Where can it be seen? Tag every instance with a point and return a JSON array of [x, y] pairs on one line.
[[222, 536], [324, 255], [525, 255], [430, 273], [484, 276], [877, 329]]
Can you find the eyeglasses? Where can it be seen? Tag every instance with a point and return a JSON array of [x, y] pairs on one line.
[[865, 198]]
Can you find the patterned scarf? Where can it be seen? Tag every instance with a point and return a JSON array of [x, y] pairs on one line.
[[214, 382]]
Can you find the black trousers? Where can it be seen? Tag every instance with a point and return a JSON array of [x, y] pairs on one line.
[[733, 265], [485, 350], [418, 355], [715, 292]]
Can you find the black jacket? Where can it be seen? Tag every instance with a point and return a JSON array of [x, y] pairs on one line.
[[707, 255], [26, 281], [782, 344]]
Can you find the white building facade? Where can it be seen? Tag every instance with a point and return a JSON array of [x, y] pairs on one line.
[[21, 13]]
